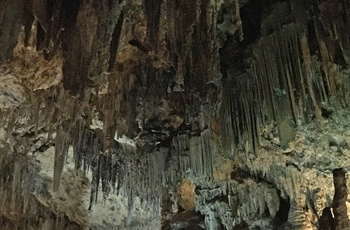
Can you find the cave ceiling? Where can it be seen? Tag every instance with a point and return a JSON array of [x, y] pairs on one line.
[[174, 114]]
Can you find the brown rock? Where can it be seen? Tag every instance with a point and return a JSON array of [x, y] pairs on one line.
[[176, 121], [186, 195], [339, 201]]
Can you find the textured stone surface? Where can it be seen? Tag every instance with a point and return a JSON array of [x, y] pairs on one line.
[[106, 106], [186, 195]]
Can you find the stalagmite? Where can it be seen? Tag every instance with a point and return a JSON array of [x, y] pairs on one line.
[[341, 220]]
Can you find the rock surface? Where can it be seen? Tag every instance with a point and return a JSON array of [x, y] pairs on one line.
[[174, 114]]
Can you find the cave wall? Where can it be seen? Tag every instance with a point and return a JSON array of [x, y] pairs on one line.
[[191, 83]]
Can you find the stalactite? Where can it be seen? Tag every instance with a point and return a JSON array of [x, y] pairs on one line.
[[308, 73], [195, 155], [275, 79], [156, 170], [15, 184], [61, 148]]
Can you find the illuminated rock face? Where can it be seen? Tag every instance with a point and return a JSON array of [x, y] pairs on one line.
[[108, 106]]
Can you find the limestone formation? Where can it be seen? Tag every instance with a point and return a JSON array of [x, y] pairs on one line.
[[174, 114]]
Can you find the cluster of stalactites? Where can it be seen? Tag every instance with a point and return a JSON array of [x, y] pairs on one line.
[[195, 155], [286, 82]]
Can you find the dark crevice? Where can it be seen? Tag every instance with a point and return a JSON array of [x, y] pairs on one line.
[[137, 43], [251, 15], [326, 112], [70, 9], [40, 37], [44, 147], [339, 58], [282, 213], [241, 226], [231, 58], [28, 22], [75, 66], [115, 41], [152, 11], [326, 221]]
